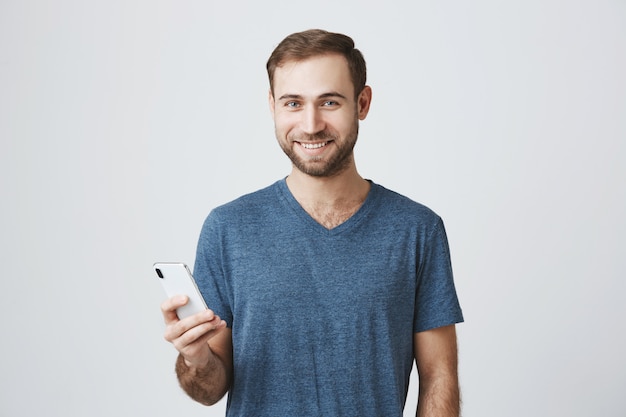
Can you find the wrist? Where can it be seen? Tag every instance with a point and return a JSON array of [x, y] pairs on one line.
[[185, 366]]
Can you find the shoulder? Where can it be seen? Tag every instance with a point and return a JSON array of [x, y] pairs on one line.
[[401, 207], [264, 198], [246, 212]]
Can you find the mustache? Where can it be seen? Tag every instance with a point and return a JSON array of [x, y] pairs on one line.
[[323, 135]]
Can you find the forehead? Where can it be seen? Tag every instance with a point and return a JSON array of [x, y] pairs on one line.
[[314, 76]]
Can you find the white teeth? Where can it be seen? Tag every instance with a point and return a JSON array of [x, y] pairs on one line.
[[314, 145]]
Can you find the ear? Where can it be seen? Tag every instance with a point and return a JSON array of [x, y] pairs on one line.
[[363, 102], [270, 99]]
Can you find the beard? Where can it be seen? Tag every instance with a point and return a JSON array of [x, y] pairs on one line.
[[322, 166]]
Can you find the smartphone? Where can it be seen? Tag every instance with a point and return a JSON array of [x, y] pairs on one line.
[[177, 280]]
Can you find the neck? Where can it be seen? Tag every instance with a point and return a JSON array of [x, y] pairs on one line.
[[329, 200], [346, 186]]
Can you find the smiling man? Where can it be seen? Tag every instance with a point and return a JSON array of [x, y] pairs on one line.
[[324, 288], [317, 114]]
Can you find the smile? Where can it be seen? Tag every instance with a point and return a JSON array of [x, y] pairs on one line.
[[314, 145]]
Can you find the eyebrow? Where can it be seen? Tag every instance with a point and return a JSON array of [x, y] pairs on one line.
[[299, 97]]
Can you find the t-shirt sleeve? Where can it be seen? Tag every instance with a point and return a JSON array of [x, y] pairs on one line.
[[436, 301], [209, 272]]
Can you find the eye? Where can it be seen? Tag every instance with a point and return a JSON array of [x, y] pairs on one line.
[[292, 104], [330, 103]]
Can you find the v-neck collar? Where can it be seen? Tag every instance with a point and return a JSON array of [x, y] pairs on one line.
[[350, 223]]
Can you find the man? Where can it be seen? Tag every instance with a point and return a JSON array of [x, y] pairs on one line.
[[323, 287]]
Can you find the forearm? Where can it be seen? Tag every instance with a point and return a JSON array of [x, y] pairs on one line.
[[205, 385], [439, 397]]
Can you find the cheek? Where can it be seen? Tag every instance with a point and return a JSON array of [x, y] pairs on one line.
[[280, 128], [341, 124], [284, 122]]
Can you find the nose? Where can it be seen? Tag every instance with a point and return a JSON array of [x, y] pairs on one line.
[[312, 121]]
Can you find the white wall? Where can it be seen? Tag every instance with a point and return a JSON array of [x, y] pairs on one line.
[[122, 123]]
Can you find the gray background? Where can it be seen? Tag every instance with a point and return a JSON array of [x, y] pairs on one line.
[[122, 123]]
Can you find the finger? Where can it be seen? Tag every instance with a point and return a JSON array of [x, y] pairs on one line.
[[169, 306], [199, 319], [176, 328], [198, 334]]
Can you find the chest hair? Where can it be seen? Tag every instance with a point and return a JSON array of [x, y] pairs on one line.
[[332, 215]]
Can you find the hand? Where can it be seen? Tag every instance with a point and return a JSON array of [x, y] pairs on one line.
[[191, 335]]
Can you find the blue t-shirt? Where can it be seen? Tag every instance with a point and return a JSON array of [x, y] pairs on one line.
[[323, 320]]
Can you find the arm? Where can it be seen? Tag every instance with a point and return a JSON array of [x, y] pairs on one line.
[[205, 362], [436, 357]]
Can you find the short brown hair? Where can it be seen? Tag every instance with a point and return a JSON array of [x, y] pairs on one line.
[[303, 45]]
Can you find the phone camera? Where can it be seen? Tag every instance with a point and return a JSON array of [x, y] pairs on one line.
[[159, 273]]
